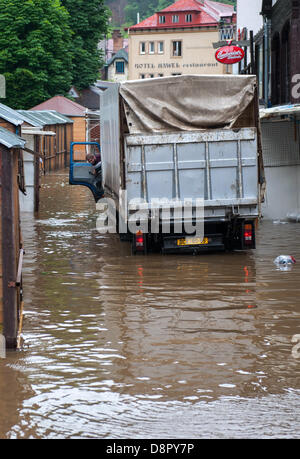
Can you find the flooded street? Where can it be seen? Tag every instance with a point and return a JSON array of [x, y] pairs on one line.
[[121, 346]]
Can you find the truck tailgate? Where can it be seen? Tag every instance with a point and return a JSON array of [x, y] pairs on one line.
[[219, 166]]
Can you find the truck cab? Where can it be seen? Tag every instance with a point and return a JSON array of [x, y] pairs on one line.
[[85, 174]]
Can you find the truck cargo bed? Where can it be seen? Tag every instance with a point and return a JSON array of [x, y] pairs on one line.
[[218, 166]]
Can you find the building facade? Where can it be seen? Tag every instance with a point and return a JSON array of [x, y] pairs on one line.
[[278, 51], [278, 69], [112, 48], [117, 67], [179, 40]]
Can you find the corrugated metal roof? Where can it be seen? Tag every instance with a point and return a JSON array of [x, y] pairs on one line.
[[11, 140], [63, 118], [45, 117], [15, 117]]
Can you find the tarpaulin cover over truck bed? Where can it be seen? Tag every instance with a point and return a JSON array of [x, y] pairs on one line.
[[186, 102]]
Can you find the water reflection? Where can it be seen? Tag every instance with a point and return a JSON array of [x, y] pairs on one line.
[[120, 346]]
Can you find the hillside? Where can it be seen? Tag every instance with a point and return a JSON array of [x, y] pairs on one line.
[[125, 11]]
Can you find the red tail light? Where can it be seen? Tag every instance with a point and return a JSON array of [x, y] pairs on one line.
[[248, 234], [139, 240]]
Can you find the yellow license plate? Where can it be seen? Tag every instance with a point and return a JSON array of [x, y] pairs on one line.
[[192, 241]]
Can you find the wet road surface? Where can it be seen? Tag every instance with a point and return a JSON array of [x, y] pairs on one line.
[[121, 346]]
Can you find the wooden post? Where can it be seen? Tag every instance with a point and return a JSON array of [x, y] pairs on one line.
[[36, 174], [8, 243]]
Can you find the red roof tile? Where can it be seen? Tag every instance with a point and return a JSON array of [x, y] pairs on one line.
[[62, 105], [184, 5], [206, 12]]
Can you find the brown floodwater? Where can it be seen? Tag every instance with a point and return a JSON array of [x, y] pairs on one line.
[[116, 346]]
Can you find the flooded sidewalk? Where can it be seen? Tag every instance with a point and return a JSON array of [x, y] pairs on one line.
[[122, 346]]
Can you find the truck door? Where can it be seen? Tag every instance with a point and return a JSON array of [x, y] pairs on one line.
[[82, 173]]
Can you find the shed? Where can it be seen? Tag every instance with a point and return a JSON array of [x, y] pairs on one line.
[[18, 123], [48, 136], [11, 253], [77, 113], [12, 120], [55, 150]]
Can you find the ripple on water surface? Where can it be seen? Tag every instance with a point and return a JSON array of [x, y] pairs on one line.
[[120, 346]]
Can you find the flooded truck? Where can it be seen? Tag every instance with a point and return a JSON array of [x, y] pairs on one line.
[[182, 161]]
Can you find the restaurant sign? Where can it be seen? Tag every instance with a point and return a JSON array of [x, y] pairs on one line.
[[230, 54]]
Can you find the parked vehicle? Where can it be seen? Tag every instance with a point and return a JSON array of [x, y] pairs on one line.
[[183, 140]]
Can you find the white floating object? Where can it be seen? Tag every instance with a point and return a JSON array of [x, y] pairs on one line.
[[284, 260], [294, 216]]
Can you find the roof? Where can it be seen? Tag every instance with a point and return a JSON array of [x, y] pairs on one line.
[[121, 54], [183, 5], [207, 13], [62, 105], [10, 140], [218, 10], [90, 98], [15, 117], [46, 117]]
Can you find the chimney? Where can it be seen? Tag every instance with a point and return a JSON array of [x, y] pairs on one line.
[[117, 41]]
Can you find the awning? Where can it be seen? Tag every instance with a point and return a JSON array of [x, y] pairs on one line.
[[31, 131], [280, 110]]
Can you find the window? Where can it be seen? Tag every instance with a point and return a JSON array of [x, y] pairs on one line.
[[151, 47], [142, 47], [162, 19], [142, 76], [188, 18], [160, 47], [175, 18], [177, 48], [120, 67]]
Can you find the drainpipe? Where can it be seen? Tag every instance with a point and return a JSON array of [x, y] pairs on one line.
[[86, 131], [267, 28]]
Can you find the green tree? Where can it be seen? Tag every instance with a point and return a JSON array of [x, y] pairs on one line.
[[89, 22], [35, 51]]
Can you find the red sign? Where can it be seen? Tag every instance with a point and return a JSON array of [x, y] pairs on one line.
[[230, 54]]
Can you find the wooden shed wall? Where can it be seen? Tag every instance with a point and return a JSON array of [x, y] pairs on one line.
[[6, 125], [10, 245], [79, 135], [1, 289], [56, 149]]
